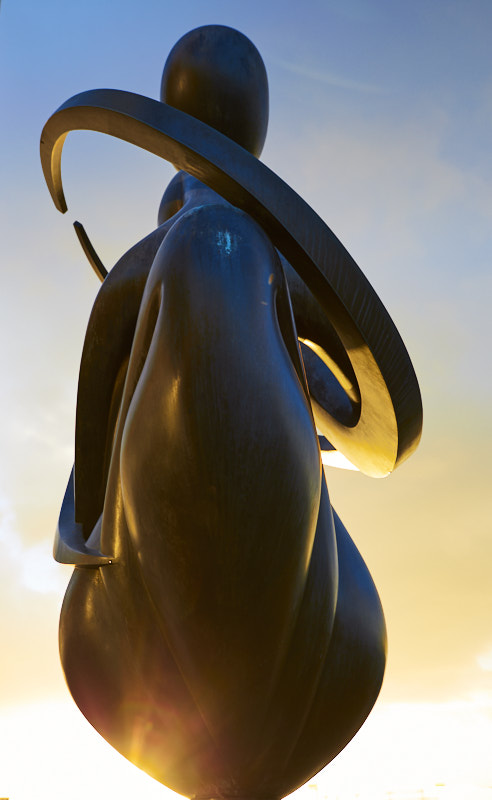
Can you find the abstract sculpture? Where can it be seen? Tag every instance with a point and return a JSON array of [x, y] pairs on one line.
[[220, 628]]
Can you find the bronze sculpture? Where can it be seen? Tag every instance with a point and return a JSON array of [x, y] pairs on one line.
[[220, 628]]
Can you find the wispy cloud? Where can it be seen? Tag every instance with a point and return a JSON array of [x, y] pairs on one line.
[[484, 661], [449, 743], [329, 78], [33, 565]]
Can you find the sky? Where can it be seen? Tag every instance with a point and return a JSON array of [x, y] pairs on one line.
[[381, 119]]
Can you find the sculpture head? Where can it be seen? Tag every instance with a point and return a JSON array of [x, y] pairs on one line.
[[216, 74]]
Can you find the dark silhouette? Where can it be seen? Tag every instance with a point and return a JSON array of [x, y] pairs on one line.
[[221, 629]]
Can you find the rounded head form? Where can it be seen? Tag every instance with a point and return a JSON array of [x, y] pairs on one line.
[[217, 75]]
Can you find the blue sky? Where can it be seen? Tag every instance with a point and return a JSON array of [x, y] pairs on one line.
[[381, 118]]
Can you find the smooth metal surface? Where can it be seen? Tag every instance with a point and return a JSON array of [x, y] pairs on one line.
[[221, 629]]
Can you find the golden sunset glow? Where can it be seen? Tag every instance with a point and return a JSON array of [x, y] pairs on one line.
[[381, 119], [333, 458]]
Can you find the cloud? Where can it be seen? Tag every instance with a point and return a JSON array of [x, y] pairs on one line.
[[32, 566], [32, 587], [484, 661], [418, 222], [408, 748], [329, 78]]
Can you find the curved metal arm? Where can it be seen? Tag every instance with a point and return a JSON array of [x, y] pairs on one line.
[[389, 426], [89, 251], [70, 546]]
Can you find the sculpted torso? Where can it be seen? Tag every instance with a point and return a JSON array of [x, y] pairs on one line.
[[221, 639]]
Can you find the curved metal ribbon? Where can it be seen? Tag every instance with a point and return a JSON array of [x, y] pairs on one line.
[[390, 422]]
